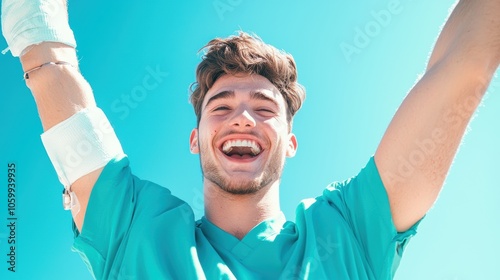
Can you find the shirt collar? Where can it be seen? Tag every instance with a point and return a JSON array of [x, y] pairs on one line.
[[264, 231]]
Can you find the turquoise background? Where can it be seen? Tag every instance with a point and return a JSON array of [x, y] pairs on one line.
[[350, 101]]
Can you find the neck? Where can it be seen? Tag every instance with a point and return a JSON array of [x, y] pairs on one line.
[[238, 214]]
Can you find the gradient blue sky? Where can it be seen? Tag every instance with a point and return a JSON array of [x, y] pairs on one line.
[[351, 99]]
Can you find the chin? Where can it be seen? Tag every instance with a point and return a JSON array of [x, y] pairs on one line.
[[241, 183], [240, 187]]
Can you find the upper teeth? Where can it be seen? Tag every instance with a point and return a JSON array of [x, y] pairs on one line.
[[229, 145]]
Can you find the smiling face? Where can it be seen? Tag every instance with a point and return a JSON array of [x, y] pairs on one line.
[[243, 136]]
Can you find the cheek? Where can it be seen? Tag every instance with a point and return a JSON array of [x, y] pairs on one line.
[[277, 126], [211, 135], [210, 127], [207, 129], [279, 133]]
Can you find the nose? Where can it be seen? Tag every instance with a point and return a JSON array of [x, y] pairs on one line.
[[243, 118]]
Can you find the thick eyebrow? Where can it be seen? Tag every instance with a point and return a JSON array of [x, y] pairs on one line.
[[221, 95], [257, 95], [254, 95]]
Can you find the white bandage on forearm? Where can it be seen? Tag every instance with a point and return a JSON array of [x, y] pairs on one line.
[[81, 144], [30, 22]]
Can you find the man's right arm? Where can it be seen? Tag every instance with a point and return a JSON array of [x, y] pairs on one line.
[[60, 91]]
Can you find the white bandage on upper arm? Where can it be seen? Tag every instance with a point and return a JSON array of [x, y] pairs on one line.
[[30, 22], [81, 144]]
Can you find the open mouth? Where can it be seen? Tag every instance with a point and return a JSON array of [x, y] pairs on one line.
[[241, 149]]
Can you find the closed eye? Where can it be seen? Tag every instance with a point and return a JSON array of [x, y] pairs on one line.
[[266, 112], [221, 108]]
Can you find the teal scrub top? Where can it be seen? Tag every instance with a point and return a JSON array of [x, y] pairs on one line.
[[136, 229]]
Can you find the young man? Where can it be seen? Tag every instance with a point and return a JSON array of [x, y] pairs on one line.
[[245, 99]]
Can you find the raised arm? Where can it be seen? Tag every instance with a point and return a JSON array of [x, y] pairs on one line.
[[60, 91], [420, 143]]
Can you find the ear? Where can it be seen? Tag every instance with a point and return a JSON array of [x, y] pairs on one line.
[[193, 142], [291, 149]]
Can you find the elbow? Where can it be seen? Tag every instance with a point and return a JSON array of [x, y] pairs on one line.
[[470, 67]]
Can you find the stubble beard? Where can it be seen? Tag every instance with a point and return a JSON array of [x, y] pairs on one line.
[[241, 186]]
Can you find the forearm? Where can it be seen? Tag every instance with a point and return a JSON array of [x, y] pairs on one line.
[[471, 37], [59, 91], [84, 142]]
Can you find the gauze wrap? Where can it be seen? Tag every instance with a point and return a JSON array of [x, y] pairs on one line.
[[30, 22], [81, 144]]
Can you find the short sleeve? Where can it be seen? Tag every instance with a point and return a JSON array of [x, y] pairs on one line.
[[117, 201], [363, 203]]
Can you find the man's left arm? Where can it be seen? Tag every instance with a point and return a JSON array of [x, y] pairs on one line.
[[420, 143]]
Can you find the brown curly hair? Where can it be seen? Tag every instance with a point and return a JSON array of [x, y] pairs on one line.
[[247, 54]]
